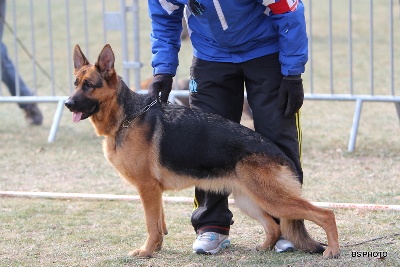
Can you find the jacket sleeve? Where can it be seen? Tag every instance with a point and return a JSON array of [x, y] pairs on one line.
[[293, 41], [166, 23]]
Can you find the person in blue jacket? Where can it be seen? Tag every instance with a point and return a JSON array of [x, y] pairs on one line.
[[257, 45]]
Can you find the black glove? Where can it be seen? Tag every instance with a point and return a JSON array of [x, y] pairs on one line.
[[291, 94], [161, 83]]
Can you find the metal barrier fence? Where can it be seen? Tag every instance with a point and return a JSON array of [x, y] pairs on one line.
[[357, 39], [40, 36], [353, 55]]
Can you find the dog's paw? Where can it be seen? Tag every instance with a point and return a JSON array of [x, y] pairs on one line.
[[331, 253], [140, 253]]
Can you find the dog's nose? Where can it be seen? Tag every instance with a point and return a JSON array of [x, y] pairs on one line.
[[69, 103]]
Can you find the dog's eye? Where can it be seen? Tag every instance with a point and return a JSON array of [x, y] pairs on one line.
[[76, 82], [87, 85]]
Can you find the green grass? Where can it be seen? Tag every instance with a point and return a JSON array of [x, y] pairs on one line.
[[42, 232]]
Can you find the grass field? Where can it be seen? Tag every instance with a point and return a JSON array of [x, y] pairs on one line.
[[43, 232]]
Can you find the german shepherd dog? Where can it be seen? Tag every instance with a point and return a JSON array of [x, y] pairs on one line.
[[158, 147]]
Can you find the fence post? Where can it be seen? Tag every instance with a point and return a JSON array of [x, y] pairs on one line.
[[354, 127], [397, 104], [56, 120]]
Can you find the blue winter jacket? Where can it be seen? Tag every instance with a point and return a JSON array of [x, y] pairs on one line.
[[228, 31]]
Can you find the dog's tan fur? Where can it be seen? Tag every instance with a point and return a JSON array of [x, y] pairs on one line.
[[262, 185]]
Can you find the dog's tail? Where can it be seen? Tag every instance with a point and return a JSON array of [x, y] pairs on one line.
[[296, 232]]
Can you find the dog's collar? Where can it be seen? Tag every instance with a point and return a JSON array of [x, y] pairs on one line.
[[126, 123]]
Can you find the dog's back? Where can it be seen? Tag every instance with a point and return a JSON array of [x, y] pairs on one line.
[[206, 145]]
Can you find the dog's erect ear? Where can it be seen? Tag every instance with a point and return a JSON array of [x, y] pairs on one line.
[[105, 62], [79, 58]]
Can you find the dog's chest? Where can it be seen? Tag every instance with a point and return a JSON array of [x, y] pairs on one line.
[[130, 158]]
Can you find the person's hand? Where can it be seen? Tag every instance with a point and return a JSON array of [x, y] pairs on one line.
[[291, 94], [161, 83]]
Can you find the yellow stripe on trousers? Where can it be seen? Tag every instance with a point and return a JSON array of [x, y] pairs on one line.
[[299, 133], [195, 204]]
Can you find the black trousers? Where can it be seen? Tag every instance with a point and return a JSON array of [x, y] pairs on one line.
[[218, 87]]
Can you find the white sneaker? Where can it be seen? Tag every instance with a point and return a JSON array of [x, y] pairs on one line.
[[210, 243], [283, 245]]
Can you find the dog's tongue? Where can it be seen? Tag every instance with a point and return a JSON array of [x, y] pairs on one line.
[[76, 116]]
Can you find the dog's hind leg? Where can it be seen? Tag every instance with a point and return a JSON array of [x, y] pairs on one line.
[[291, 222], [253, 210], [151, 197], [277, 189]]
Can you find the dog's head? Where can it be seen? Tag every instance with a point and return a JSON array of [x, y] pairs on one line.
[[94, 84]]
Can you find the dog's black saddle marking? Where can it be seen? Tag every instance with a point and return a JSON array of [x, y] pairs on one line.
[[206, 145]]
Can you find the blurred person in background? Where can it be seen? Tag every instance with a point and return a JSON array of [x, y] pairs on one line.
[[8, 76]]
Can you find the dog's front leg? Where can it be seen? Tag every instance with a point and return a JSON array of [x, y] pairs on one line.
[[151, 198]]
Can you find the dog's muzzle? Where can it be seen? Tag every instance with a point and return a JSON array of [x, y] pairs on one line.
[[81, 109]]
